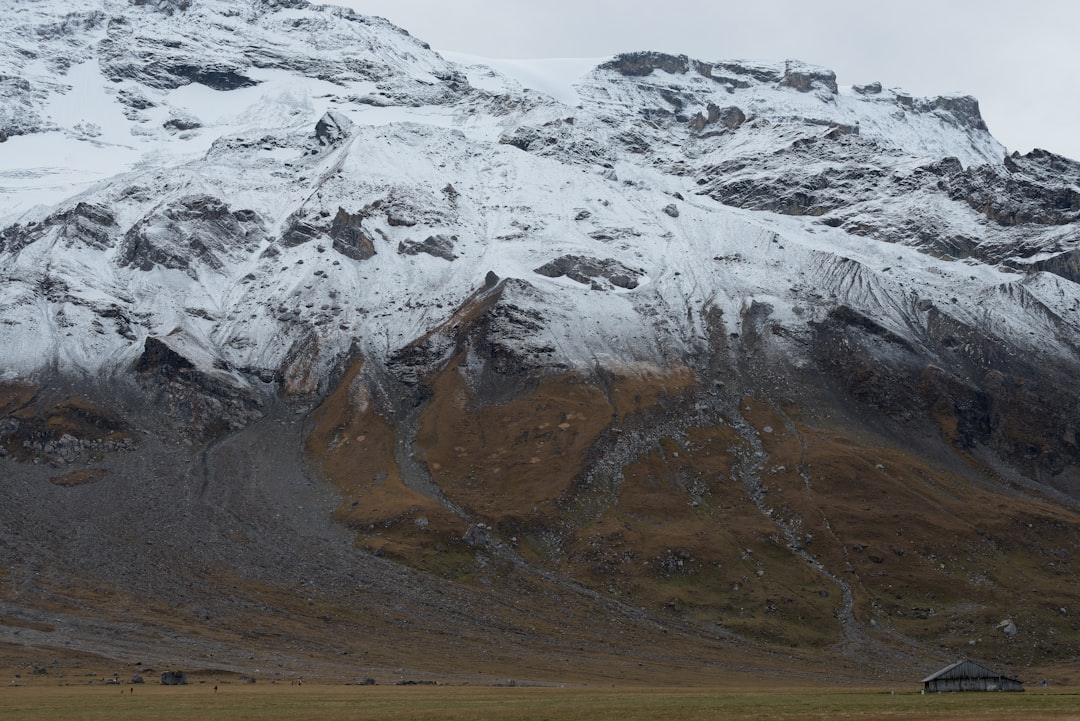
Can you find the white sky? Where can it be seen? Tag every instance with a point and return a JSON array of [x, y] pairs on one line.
[[1018, 57]]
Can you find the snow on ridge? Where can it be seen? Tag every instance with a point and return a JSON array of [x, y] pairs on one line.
[[555, 77]]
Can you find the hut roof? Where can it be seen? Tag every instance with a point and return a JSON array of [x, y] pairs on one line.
[[965, 668]]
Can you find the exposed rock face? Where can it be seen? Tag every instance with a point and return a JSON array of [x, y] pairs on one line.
[[345, 231], [174, 678], [440, 246], [637, 64], [729, 117], [164, 6], [332, 129], [1037, 188], [194, 229], [349, 237], [202, 402], [804, 78], [588, 271]]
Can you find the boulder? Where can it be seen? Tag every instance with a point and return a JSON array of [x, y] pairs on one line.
[[349, 237], [440, 246], [174, 678], [332, 128]]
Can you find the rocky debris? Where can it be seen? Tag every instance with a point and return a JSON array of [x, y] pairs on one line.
[[63, 432], [588, 271], [298, 231], [672, 210], [439, 246], [174, 678], [1008, 627]]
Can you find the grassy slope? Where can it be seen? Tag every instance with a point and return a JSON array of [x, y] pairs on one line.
[[931, 555]]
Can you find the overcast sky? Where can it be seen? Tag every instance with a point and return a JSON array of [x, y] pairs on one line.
[[1020, 59]]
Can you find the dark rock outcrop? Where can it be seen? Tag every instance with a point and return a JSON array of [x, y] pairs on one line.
[[588, 271], [349, 237], [804, 78], [1038, 188], [440, 246], [730, 118], [200, 402], [174, 678], [644, 63], [332, 129], [345, 231], [194, 229]]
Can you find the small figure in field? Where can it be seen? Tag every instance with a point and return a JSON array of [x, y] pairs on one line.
[[131, 690], [215, 688]]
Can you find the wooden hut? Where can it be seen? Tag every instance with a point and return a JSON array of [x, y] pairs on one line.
[[967, 675]]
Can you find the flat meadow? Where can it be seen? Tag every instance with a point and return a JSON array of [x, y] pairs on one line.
[[312, 701]]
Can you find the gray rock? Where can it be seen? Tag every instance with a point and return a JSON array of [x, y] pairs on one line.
[[174, 678], [440, 246], [196, 228], [332, 128], [182, 122], [587, 270], [349, 237], [805, 78], [643, 63]]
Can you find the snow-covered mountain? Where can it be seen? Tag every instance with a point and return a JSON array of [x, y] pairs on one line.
[[209, 208]]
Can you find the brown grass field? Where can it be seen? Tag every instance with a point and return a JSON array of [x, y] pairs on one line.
[[244, 702]]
